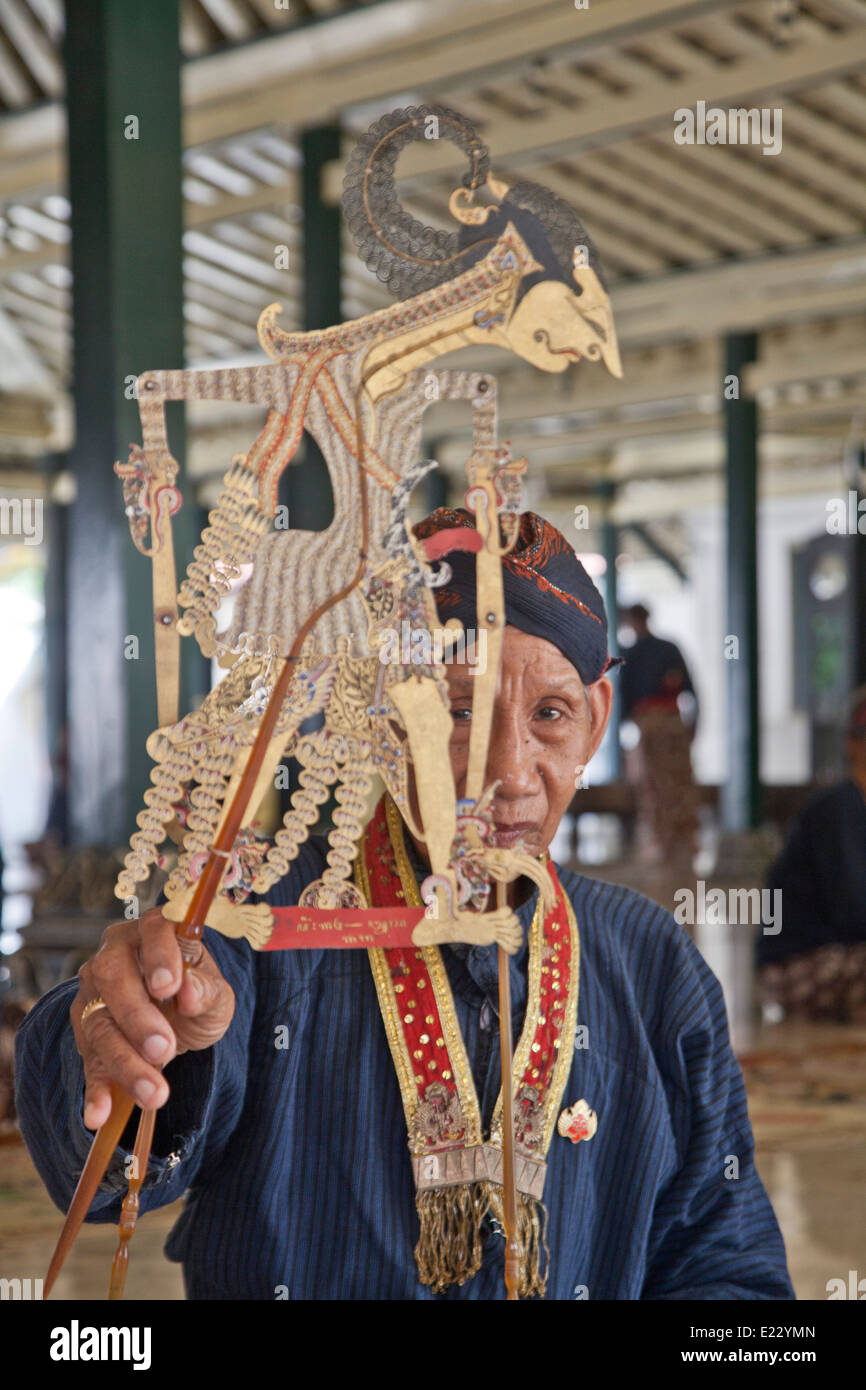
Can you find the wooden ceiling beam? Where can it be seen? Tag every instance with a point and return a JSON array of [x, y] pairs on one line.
[[16, 89], [21, 370], [816, 367], [568, 449], [651, 108], [790, 192], [665, 243], [843, 105], [853, 10], [195, 32], [35, 50], [24, 417], [665, 201], [819, 170], [740, 313], [779, 209], [367, 55], [842, 260], [230, 18], [313, 73], [695, 199]]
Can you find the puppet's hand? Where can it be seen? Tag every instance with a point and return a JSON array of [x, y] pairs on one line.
[[252, 922], [499, 928]]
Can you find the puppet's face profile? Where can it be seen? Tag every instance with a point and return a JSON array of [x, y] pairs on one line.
[[554, 325], [563, 315]]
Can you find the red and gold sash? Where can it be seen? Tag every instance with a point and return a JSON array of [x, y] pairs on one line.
[[457, 1172]]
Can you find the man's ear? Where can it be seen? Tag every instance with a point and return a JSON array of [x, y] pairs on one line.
[[600, 697]]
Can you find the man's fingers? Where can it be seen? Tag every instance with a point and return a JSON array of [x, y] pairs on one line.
[[205, 1005], [109, 1057], [114, 975], [97, 1103], [129, 1040], [200, 992], [161, 960]]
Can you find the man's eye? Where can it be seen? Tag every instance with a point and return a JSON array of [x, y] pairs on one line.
[[461, 714], [550, 712]]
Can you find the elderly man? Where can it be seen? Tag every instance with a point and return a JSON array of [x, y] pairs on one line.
[[294, 1159]]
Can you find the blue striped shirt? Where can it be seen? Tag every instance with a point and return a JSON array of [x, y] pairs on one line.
[[294, 1159]]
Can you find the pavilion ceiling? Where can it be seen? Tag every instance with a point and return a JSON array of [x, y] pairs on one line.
[[698, 240]]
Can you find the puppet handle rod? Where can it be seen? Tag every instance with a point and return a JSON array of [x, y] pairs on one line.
[[190, 930], [131, 1202], [490, 611]]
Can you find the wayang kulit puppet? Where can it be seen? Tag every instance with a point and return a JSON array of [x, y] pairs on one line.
[[313, 676]]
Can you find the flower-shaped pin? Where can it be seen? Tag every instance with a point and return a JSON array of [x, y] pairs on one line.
[[577, 1122]]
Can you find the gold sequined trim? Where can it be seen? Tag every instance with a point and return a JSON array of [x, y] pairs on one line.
[[432, 958]]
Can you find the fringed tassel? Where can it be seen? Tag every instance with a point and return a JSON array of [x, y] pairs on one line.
[[449, 1249]]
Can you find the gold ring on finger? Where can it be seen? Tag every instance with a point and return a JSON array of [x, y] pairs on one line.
[[97, 1002]]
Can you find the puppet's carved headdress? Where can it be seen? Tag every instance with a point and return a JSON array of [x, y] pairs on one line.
[[411, 257]]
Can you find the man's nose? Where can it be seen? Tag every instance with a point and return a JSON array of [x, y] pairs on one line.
[[511, 756]]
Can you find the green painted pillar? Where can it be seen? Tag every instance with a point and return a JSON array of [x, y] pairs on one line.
[[124, 122], [741, 794], [312, 502]]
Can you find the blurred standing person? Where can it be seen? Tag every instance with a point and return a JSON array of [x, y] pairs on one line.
[[659, 698], [815, 967]]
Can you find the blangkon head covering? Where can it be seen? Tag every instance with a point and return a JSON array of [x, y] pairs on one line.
[[548, 593]]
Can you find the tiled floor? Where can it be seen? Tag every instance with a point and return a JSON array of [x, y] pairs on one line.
[[807, 1101], [30, 1225]]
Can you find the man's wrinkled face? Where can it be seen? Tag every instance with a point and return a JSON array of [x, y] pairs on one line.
[[546, 726]]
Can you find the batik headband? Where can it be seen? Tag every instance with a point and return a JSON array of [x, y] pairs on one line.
[[548, 593]]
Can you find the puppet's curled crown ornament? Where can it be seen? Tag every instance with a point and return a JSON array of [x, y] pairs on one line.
[[313, 611]]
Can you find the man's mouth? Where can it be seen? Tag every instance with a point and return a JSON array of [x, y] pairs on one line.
[[507, 834]]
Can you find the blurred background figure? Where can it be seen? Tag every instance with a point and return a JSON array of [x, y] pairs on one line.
[[815, 967], [658, 697]]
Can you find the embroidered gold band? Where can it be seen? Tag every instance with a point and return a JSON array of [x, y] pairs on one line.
[[457, 1169]]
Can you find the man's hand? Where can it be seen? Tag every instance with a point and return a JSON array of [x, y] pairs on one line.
[[138, 967]]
